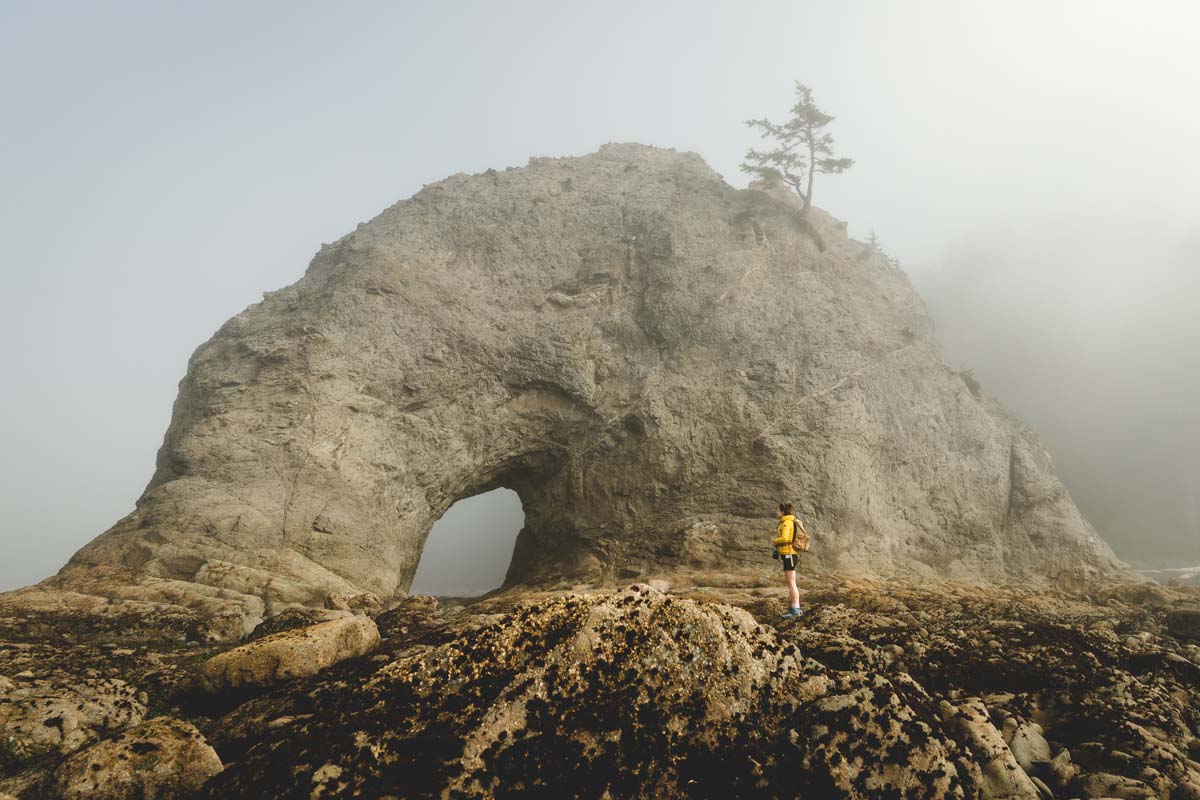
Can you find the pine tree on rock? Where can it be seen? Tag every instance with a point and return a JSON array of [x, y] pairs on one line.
[[801, 147]]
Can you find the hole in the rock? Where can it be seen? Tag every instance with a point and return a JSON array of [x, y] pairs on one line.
[[469, 549]]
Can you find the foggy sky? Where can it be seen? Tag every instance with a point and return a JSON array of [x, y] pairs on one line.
[[470, 547], [1033, 166]]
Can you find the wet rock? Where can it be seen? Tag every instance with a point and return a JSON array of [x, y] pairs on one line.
[[1102, 784], [1062, 769], [631, 694], [704, 692], [363, 603], [1029, 747], [38, 718], [295, 617], [1044, 791], [1188, 790], [1001, 776], [409, 617], [1184, 623], [294, 653], [161, 758]]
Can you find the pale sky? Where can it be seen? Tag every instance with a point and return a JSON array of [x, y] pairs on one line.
[[1033, 165]]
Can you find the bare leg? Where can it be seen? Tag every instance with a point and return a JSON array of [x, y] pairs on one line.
[[793, 592]]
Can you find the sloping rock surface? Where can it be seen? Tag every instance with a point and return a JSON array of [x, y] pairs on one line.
[[882, 689], [162, 758], [633, 695], [651, 358]]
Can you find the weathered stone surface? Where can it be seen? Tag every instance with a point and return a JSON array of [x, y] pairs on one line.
[[629, 695], [365, 603], [162, 758], [869, 664], [651, 358], [1102, 784], [293, 653], [38, 717], [1000, 776], [680, 695], [1184, 623], [1029, 747], [295, 617]]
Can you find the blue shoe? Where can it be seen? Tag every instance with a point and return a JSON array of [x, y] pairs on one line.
[[793, 612]]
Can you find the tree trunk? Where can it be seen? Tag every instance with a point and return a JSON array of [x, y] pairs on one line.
[[812, 168]]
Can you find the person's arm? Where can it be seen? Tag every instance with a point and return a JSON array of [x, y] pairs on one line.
[[782, 538]]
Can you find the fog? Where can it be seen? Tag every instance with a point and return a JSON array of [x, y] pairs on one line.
[[1091, 333], [1033, 166], [470, 547]]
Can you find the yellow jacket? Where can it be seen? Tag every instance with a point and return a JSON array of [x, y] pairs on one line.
[[785, 536]]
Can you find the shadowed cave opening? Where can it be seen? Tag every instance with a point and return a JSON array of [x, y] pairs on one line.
[[469, 549]]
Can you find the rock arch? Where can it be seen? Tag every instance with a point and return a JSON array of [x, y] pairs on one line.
[[600, 335]]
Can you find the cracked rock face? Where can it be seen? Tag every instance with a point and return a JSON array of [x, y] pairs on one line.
[[649, 357]]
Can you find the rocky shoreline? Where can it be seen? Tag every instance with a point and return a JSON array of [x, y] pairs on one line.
[[883, 689]]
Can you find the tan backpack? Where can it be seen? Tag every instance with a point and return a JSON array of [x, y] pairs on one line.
[[800, 545]]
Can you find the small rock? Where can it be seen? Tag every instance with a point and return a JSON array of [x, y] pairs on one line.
[[163, 758], [1062, 769], [1029, 746], [366, 603], [292, 618]]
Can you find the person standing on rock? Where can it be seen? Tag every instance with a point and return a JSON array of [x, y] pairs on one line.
[[790, 540]]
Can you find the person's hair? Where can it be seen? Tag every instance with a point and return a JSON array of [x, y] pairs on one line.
[[787, 508]]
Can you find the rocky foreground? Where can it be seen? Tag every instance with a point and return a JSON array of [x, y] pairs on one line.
[[883, 690]]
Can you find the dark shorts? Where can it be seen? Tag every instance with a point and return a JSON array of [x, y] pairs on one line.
[[790, 562]]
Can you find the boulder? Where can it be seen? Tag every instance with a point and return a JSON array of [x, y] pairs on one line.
[[608, 336], [161, 758], [49, 717], [1029, 747], [294, 653]]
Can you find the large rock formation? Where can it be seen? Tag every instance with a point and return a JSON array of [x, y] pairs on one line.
[[651, 358]]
